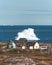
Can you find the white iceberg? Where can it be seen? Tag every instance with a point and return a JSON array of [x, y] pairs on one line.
[[28, 34]]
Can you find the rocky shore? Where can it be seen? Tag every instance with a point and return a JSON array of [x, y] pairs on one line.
[[18, 56]]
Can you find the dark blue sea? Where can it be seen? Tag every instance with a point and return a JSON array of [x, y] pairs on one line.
[[8, 33]]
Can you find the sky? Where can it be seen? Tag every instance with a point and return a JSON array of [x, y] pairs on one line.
[[25, 12]]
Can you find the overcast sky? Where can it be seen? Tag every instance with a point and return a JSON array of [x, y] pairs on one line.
[[26, 12]]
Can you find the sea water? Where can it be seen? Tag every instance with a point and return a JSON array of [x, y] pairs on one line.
[[44, 33]]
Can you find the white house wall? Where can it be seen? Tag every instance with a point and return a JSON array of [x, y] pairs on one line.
[[14, 45], [36, 46]]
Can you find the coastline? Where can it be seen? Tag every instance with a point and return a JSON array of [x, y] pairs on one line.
[[35, 55]]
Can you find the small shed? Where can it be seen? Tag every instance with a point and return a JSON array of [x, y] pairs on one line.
[[23, 47], [43, 47], [11, 44], [31, 47], [36, 45]]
